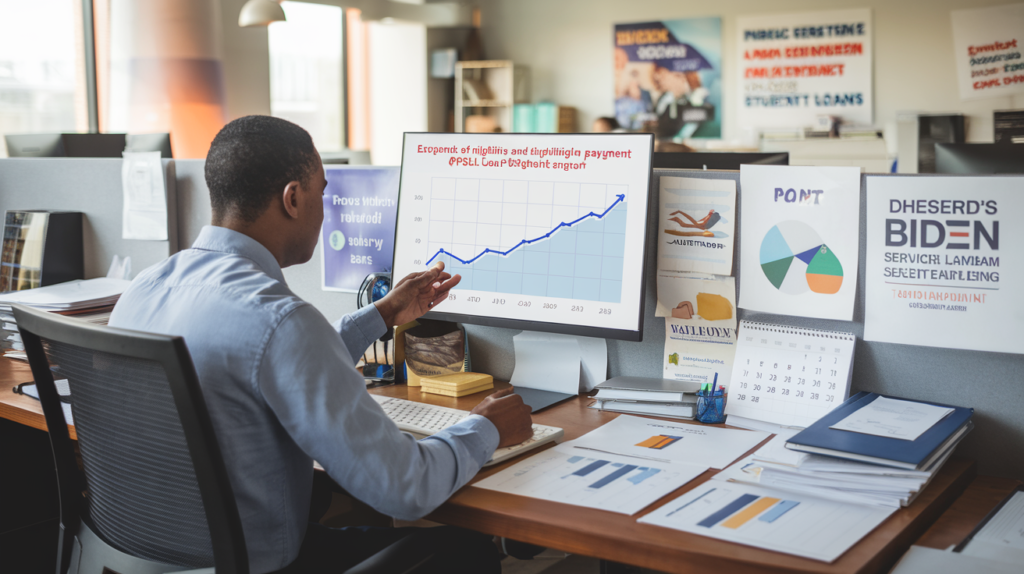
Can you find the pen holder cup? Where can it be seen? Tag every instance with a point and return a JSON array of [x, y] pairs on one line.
[[711, 407]]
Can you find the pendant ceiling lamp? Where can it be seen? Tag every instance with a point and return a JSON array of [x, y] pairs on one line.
[[260, 13]]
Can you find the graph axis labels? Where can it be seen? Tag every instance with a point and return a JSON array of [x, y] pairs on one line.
[[795, 260]]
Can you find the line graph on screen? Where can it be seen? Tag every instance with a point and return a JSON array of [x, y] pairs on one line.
[[552, 239]]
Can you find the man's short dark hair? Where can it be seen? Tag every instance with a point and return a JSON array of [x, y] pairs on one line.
[[252, 160]]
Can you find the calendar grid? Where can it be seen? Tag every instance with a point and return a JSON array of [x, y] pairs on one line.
[[787, 375]]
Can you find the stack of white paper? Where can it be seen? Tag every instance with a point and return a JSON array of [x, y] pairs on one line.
[[71, 296], [90, 300], [836, 479]]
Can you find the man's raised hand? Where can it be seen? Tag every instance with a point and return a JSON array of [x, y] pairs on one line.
[[415, 294]]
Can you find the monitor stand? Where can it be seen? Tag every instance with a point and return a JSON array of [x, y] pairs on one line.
[[537, 399], [547, 368]]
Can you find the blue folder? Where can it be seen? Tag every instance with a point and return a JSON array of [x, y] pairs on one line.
[[917, 454]]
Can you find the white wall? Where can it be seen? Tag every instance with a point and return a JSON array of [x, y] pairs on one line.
[[246, 65], [398, 87], [567, 45]]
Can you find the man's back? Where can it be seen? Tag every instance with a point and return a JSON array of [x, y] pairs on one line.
[[278, 381]]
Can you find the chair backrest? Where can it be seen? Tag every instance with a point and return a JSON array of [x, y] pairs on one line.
[[154, 480]]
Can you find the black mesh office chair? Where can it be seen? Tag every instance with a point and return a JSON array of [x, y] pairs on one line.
[[154, 495]]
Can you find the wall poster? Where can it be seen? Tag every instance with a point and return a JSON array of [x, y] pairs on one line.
[[800, 240], [988, 44], [358, 234], [945, 265], [795, 67], [668, 75]]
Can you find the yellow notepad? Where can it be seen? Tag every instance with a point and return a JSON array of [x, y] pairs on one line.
[[457, 381], [448, 392]]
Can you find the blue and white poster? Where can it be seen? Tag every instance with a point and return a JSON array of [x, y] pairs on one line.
[[358, 234], [668, 76], [945, 264]]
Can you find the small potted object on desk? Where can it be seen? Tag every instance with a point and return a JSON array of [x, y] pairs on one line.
[[711, 403]]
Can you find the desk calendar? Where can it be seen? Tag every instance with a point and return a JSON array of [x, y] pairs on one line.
[[789, 375]]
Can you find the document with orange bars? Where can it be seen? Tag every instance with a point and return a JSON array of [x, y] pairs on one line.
[[774, 520], [668, 442]]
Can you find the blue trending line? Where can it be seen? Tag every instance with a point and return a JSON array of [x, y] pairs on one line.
[[620, 199]]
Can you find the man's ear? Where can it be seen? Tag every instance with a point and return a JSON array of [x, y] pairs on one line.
[[290, 199]]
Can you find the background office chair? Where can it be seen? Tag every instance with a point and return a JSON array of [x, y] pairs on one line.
[[156, 493]]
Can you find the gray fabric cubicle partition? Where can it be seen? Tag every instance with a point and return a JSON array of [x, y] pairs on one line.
[[991, 383], [194, 212], [92, 186]]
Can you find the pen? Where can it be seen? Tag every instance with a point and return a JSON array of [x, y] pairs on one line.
[[714, 384]]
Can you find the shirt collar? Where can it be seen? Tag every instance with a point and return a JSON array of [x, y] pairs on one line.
[[224, 240]]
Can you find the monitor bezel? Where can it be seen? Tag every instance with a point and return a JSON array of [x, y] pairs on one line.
[[541, 326], [695, 156]]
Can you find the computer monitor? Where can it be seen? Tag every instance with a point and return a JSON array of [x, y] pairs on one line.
[[717, 160], [549, 231], [979, 158], [149, 142], [34, 145], [93, 145]]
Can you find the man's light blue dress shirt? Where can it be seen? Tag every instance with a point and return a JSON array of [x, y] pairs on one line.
[[282, 390]]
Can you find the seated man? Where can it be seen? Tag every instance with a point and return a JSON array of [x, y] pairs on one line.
[[279, 380]]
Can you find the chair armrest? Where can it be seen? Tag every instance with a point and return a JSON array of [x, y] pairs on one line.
[[199, 571]]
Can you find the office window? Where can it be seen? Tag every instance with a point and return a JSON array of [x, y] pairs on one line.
[[42, 67], [306, 71]]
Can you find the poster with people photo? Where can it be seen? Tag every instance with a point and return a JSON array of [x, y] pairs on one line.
[[668, 78]]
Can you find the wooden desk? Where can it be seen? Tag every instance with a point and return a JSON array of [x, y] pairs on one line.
[[607, 535], [620, 538], [980, 498]]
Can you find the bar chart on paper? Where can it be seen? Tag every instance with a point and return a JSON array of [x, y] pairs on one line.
[[794, 524], [564, 240], [604, 482]]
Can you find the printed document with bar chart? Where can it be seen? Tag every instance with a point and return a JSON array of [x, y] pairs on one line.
[[596, 480], [541, 227], [774, 520]]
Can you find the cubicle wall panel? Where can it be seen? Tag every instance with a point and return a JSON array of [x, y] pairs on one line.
[[194, 212], [991, 383], [92, 186]]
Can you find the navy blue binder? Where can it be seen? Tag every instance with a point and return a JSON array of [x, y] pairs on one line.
[[918, 454]]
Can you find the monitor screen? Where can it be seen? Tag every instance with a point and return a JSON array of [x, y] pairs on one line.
[[717, 160], [93, 145], [34, 145], [979, 158], [548, 231]]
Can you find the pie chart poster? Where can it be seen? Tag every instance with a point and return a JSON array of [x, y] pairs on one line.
[[945, 262], [799, 238], [358, 233]]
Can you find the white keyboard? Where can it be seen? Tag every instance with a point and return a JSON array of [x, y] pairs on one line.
[[424, 420]]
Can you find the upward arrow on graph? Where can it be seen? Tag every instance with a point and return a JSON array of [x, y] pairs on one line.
[[620, 199]]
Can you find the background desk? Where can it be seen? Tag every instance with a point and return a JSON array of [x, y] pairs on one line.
[[620, 538], [19, 408], [610, 536]]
